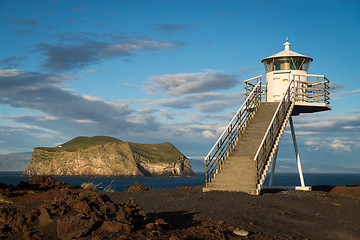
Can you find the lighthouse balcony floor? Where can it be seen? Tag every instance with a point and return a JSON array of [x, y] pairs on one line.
[[306, 107]]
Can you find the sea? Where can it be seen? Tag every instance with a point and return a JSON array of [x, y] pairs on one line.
[[121, 183]]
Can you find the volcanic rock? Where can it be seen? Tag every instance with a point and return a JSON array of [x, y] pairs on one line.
[[44, 217], [137, 187], [112, 226], [44, 182], [73, 227]]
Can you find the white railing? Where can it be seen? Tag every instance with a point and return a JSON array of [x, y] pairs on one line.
[[311, 88], [227, 139]]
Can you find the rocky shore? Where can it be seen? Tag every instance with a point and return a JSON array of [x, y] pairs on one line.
[[43, 208]]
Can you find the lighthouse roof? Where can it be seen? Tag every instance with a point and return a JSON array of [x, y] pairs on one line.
[[287, 53]]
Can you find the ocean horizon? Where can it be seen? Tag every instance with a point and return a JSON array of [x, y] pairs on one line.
[[122, 183]]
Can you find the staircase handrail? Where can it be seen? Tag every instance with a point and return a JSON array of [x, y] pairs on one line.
[[237, 113], [286, 95], [250, 79], [223, 145]]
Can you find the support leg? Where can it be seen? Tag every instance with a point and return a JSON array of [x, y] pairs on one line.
[[297, 153], [273, 168]]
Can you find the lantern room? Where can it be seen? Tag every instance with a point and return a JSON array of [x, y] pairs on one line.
[[287, 60]]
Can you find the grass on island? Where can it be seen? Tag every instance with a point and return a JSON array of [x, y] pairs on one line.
[[80, 143], [161, 152]]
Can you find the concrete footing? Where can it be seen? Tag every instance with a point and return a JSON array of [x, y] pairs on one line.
[[305, 188]]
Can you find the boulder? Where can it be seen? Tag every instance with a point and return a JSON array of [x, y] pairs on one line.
[[73, 227], [114, 227]]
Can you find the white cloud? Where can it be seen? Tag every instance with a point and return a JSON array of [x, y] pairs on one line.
[[335, 86], [351, 127], [65, 111], [328, 123], [208, 134], [84, 121], [335, 145], [203, 102], [91, 98], [302, 133], [136, 44], [74, 51], [9, 72], [346, 93], [315, 125], [49, 117], [185, 83]]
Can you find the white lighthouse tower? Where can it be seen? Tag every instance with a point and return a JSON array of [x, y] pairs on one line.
[[243, 154], [308, 95]]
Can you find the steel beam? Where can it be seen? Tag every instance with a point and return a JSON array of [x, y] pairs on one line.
[[297, 153]]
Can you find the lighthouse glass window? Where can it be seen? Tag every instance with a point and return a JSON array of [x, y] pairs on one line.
[[287, 64], [281, 64], [306, 65], [268, 67], [275, 65], [295, 64], [299, 64]]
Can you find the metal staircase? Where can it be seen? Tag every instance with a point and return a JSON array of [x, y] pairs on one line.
[[241, 157]]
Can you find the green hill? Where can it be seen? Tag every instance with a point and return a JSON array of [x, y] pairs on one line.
[[80, 143], [161, 152]]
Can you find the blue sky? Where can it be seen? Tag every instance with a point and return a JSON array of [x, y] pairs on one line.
[[156, 71]]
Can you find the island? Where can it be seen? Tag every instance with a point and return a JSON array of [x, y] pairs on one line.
[[108, 156]]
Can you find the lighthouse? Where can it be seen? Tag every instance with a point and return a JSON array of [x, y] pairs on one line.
[[241, 157]]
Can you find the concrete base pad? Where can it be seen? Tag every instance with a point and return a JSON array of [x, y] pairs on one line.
[[305, 188]]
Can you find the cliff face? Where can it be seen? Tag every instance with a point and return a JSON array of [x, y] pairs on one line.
[[109, 158]]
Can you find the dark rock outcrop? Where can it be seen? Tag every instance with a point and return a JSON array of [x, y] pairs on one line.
[[137, 187]]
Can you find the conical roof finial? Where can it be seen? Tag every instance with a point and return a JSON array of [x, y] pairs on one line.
[[287, 44]]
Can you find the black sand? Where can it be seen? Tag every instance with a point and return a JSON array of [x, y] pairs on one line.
[[287, 214]]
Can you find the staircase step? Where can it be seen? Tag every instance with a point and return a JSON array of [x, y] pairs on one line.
[[237, 164], [247, 146], [232, 187], [234, 179], [233, 163], [248, 154], [248, 184], [239, 159], [207, 189], [235, 175]]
